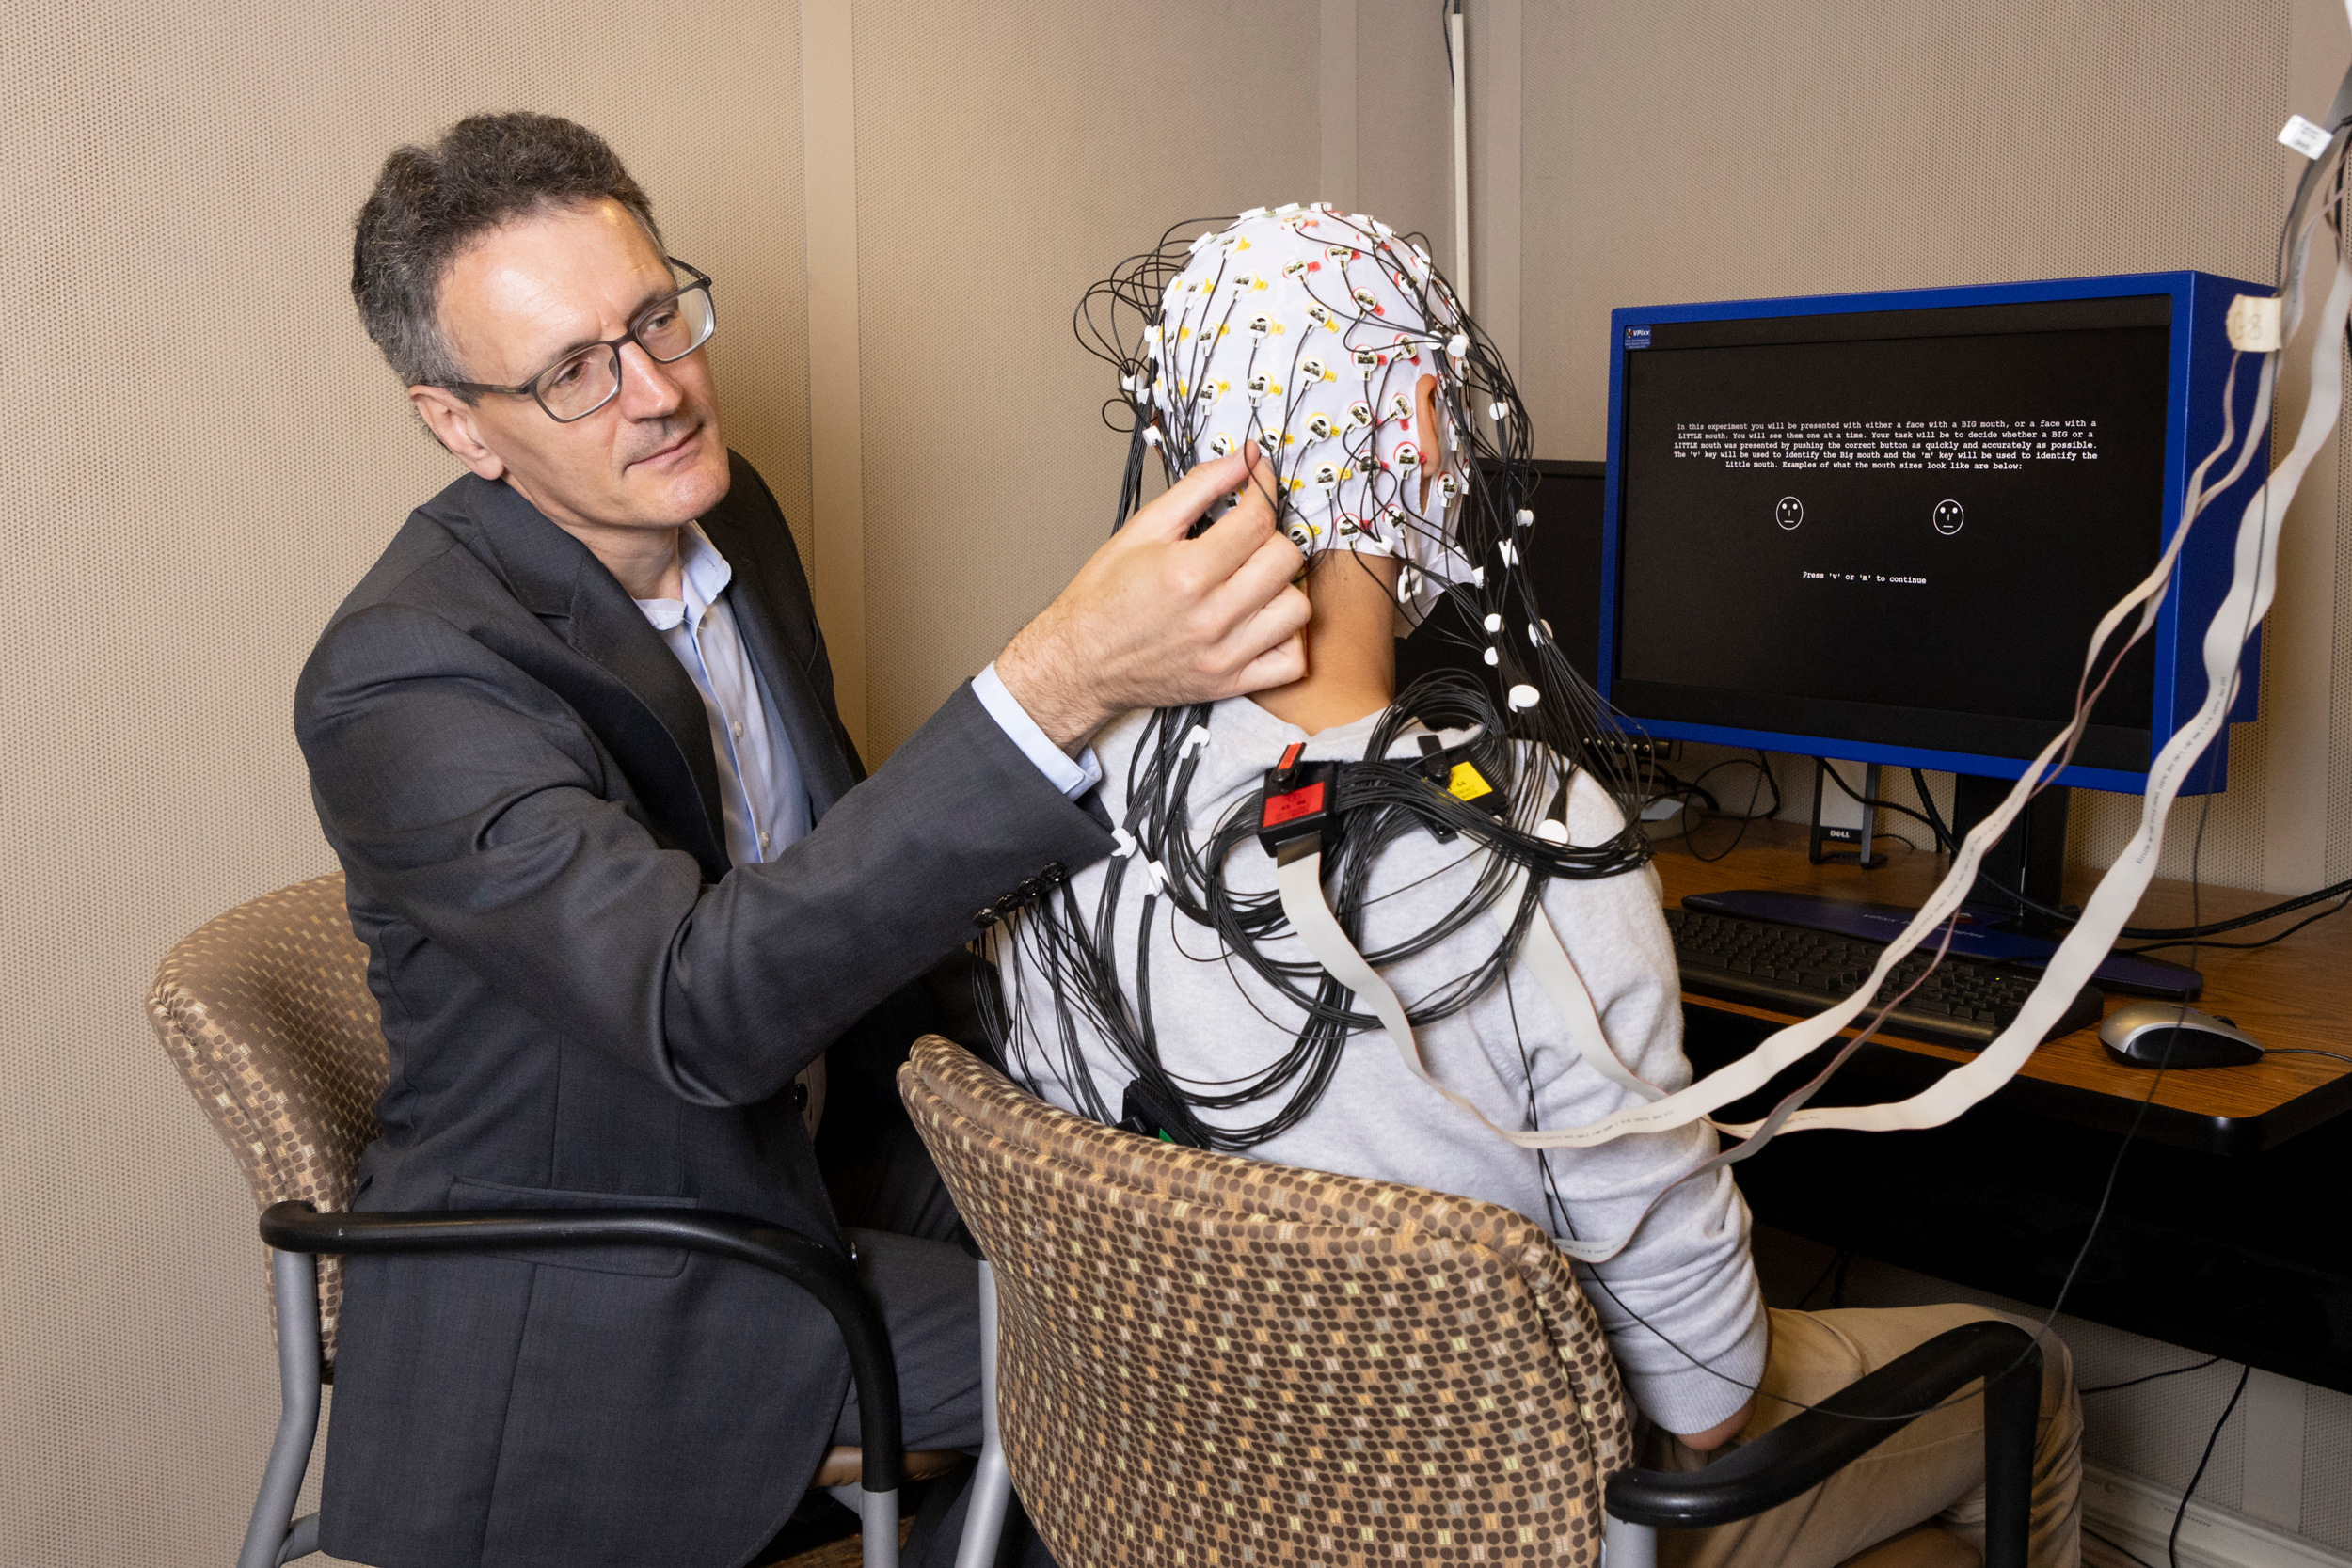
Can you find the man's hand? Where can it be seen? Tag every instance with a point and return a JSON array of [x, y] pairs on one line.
[[1156, 620]]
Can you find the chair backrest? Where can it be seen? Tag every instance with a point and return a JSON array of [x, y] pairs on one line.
[[1205, 1359], [266, 1011]]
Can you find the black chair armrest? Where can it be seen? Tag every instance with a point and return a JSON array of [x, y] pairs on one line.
[[817, 1269], [1815, 1444]]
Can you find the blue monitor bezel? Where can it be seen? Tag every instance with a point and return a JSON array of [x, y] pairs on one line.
[[2197, 364]]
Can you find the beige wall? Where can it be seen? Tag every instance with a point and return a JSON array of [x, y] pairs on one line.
[[1695, 151], [1006, 158], [987, 477], [208, 452]]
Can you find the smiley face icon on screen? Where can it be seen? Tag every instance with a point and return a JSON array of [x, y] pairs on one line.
[[1790, 513], [1947, 518]]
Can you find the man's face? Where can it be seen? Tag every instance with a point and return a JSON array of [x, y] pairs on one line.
[[514, 304]]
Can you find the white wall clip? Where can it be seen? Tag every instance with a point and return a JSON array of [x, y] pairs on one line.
[[2305, 137], [2255, 324]]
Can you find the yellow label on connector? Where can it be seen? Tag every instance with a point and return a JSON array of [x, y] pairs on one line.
[[1466, 783]]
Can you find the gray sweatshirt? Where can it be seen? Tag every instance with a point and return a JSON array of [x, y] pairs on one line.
[[1687, 1271]]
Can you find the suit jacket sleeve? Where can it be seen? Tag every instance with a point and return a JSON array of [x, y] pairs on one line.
[[472, 802]]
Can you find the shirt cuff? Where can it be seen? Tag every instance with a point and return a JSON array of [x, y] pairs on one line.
[[1072, 779]]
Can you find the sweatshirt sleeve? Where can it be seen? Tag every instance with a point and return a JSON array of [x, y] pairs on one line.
[[1682, 1298]]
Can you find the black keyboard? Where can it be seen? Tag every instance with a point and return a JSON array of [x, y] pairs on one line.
[[1792, 969]]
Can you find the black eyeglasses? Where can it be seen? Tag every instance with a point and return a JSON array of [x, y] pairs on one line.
[[589, 376]]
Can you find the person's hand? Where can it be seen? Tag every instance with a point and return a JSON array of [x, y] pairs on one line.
[[1156, 620]]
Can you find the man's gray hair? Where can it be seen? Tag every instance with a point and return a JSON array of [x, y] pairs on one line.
[[430, 204]]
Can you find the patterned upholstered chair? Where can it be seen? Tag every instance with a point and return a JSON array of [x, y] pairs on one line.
[[1207, 1359], [266, 1013]]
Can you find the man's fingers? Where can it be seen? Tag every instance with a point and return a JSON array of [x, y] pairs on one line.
[[1236, 536], [1171, 515], [1279, 665], [1281, 619], [1257, 583]]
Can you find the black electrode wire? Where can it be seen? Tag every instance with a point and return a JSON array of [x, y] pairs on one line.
[[1380, 800], [2151, 1377], [2087, 692], [2247, 946], [1763, 771], [1697, 787], [2156, 936], [1484, 486], [2172, 1542], [1931, 824], [2139, 1114]]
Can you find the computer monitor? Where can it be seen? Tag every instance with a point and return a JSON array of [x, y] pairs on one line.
[[1882, 527], [1563, 562]]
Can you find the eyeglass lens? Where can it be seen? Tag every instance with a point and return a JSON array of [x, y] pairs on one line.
[[672, 331]]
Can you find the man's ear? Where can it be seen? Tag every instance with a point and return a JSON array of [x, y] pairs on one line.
[[454, 423]]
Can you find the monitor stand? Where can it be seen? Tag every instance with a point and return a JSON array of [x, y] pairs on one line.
[[1996, 924], [2029, 863]]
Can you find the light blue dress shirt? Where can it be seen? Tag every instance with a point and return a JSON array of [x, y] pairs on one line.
[[761, 793]]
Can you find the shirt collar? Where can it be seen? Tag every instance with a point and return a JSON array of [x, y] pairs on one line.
[[703, 576]]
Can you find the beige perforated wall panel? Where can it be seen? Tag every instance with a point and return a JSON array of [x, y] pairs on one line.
[[1695, 151], [208, 454], [1007, 157]]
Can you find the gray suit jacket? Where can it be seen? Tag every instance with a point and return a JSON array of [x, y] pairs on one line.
[[586, 1005]]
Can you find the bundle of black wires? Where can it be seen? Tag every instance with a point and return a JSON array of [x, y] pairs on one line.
[[1379, 800]]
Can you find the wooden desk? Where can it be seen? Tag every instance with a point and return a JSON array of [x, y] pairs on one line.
[[2218, 1230], [2293, 994]]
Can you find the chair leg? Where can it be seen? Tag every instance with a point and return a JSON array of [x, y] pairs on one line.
[[877, 1526], [295, 1278], [1624, 1546], [2012, 1411], [302, 1540], [992, 1484]]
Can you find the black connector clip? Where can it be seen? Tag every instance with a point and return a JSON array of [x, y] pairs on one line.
[[1453, 772], [1300, 802]]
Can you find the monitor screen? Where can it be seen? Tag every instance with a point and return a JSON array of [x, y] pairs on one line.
[[1894, 526]]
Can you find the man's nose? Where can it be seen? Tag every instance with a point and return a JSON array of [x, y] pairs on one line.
[[647, 393]]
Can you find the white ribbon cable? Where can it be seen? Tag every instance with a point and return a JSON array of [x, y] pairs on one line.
[[1299, 878], [2252, 584], [1547, 958], [2102, 917]]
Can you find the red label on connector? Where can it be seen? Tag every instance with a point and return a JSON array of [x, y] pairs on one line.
[[1290, 755], [1291, 807]]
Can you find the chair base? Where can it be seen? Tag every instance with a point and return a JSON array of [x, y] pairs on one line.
[[1624, 1546]]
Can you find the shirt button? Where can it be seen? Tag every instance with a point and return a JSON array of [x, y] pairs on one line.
[[737, 727], [763, 841]]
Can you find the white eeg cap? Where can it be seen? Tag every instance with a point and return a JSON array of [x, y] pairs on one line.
[[1307, 332]]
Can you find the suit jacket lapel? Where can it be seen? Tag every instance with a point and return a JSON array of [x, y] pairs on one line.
[[779, 628], [557, 578]]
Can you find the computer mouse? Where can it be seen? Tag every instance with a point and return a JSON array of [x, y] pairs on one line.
[[2165, 1034]]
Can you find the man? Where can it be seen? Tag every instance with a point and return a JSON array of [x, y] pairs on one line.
[[623, 881], [1106, 987]]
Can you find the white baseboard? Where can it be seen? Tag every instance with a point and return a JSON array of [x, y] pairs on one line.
[[2129, 1511]]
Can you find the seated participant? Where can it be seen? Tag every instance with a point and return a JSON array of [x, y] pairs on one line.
[[1169, 989]]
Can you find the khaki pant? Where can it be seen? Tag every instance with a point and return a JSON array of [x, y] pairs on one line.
[[1930, 1471]]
